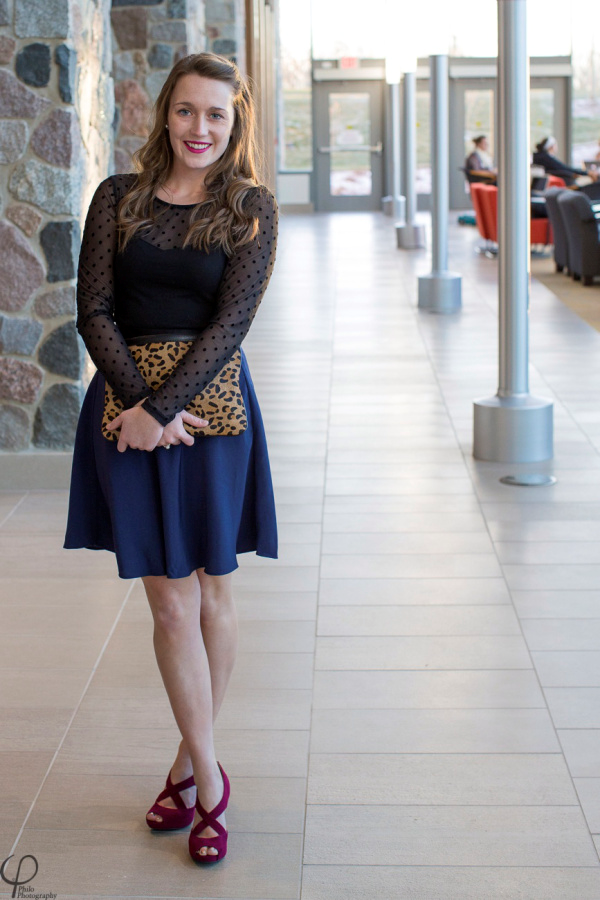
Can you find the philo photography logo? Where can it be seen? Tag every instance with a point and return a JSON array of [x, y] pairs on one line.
[[21, 886]]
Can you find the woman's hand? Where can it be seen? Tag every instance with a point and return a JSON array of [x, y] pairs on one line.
[[139, 430], [175, 433]]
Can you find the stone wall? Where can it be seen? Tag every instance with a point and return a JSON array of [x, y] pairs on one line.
[[225, 29], [56, 110], [149, 36]]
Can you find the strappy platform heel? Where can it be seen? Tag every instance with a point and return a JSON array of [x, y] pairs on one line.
[[172, 819], [209, 819]]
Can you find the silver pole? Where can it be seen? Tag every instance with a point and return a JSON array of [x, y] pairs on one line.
[[410, 235], [398, 202], [440, 291], [440, 174], [513, 426]]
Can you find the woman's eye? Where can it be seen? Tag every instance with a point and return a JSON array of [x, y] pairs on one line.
[[218, 115], [183, 110]]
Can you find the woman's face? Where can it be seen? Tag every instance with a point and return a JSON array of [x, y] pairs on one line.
[[483, 145], [200, 120]]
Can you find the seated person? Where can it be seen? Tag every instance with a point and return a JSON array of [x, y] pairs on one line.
[[478, 165], [545, 156]]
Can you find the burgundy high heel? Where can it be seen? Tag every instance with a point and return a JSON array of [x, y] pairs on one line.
[[209, 819], [172, 818]]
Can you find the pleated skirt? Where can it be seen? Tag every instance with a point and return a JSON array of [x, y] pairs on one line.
[[169, 512]]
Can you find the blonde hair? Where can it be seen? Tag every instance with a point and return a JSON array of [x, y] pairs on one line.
[[220, 219]]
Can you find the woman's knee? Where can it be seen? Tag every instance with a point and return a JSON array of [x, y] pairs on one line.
[[173, 602], [216, 593]]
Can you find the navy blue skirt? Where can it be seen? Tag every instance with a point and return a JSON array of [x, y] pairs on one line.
[[169, 512]]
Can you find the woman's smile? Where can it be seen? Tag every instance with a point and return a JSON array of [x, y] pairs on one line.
[[197, 146]]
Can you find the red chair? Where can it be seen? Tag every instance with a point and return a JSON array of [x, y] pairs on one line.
[[540, 229], [556, 181], [476, 188], [485, 223]]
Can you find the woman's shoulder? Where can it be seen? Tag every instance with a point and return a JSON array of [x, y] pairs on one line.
[[258, 197], [114, 187]]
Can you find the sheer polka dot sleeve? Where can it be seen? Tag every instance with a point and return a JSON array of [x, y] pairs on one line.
[[95, 299], [242, 287]]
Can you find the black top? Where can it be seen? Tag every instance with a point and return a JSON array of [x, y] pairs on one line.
[[157, 286], [552, 164]]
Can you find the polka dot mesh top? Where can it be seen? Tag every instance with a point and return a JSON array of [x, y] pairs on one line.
[[156, 286]]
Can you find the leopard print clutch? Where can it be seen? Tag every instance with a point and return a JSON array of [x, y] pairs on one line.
[[221, 402]]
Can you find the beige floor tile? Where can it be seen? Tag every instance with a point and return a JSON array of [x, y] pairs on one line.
[[266, 709], [581, 747], [59, 620], [478, 689], [280, 636], [293, 554], [9, 503], [288, 605], [393, 542], [419, 652], [400, 591], [38, 729], [60, 651], [263, 754], [433, 731], [267, 578], [557, 604], [412, 620], [458, 836], [452, 882], [40, 512], [84, 862], [568, 669], [574, 707], [42, 688], [272, 670], [440, 779], [588, 790], [21, 773], [18, 549], [89, 593], [416, 565]]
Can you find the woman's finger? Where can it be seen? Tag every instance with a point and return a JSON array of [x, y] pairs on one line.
[[115, 423], [190, 419]]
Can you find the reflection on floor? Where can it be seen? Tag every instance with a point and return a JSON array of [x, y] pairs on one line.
[[415, 711]]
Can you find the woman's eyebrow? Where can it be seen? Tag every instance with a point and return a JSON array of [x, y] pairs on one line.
[[190, 103]]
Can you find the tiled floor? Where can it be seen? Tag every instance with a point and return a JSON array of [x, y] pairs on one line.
[[415, 710]]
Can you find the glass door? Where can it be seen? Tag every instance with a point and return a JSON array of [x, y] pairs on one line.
[[348, 131]]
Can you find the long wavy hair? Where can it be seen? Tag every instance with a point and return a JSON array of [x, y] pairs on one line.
[[220, 219]]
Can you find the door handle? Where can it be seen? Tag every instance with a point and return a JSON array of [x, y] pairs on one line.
[[377, 148]]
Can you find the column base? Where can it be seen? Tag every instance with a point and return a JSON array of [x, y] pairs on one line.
[[440, 292], [517, 429], [410, 237]]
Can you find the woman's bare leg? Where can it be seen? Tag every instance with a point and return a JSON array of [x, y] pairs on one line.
[[184, 665]]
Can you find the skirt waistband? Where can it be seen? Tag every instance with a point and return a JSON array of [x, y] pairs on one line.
[[181, 335]]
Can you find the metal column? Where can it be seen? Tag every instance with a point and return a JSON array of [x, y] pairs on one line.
[[409, 235], [398, 202], [513, 426], [440, 291]]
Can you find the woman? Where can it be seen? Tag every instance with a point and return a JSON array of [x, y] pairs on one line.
[[478, 164], [545, 156], [181, 251]]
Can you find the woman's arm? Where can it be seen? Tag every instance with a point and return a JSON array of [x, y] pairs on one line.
[[95, 299], [242, 287]]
